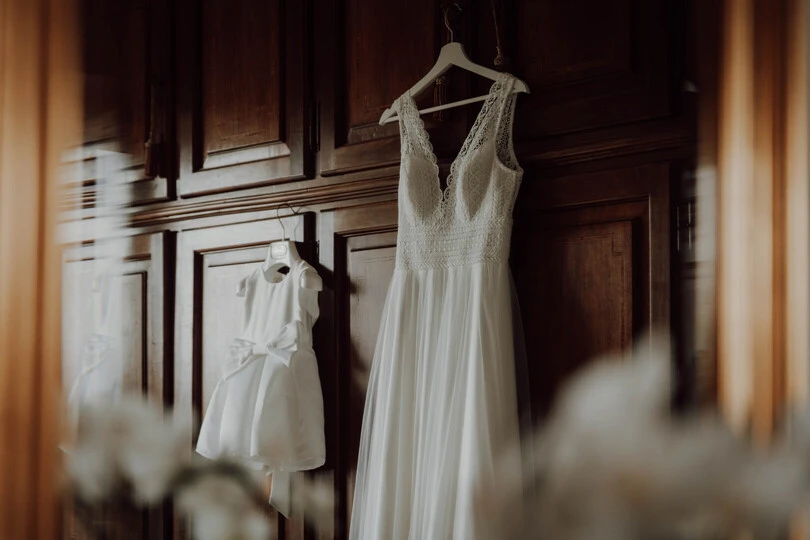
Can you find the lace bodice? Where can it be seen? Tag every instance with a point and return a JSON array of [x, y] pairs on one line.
[[471, 219]]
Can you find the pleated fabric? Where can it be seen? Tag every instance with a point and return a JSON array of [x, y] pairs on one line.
[[441, 404], [267, 409]]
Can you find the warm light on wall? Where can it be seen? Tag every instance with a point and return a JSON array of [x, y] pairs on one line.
[[40, 112], [762, 213]]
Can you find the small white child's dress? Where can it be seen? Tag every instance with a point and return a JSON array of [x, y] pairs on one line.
[[267, 410]]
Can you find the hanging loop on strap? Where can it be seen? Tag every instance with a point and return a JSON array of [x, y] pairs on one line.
[[281, 222]]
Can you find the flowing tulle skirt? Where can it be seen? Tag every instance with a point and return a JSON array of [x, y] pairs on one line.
[[441, 404]]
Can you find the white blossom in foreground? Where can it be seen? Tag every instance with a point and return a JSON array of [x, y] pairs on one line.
[[221, 509], [314, 499], [132, 453], [128, 442], [613, 463]]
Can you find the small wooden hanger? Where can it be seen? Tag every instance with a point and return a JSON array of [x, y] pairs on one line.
[[451, 55]]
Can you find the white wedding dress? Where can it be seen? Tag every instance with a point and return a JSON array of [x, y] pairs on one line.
[[441, 401]]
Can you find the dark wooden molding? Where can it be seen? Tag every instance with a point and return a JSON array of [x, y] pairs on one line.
[[322, 194], [607, 143], [565, 151]]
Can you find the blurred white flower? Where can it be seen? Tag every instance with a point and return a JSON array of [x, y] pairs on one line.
[[613, 463], [128, 442], [221, 509], [314, 498]]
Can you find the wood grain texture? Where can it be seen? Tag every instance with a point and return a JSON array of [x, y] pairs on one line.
[[609, 67], [590, 253], [277, 104], [210, 263], [386, 46], [241, 65], [370, 261], [127, 86], [372, 53], [356, 249], [243, 94], [141, 330]]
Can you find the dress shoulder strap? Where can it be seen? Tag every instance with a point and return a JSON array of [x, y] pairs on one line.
[[413, 138], [505, 123]]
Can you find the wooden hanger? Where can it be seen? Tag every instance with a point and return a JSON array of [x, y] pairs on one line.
[[451, 55]]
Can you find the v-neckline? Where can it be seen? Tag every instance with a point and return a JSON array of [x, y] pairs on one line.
[[431, 157]]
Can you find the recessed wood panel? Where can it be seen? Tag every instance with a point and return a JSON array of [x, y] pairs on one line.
[[126, 90], [371, 52], [606, 51], [210, 264], [130, 318], [136, 106], [387, 45], [371, 260], [370, 271], [582, 279], [82, 319], [590, 256], [136, 326], [592, 64], [358, 251], [241, 74], [222, 314], [243, 98]]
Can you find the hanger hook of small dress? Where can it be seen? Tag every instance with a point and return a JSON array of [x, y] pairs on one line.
[[445, 9], [281, 222]]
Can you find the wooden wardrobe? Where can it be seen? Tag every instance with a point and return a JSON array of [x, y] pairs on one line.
[[236, 112]]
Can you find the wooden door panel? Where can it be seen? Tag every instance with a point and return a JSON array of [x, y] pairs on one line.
[[358, 251], [241, 106], [243, 94], [81, 321], [370, 266], [371, 52], [222, 312], [210, 264], [138, 330], [371, 263], [380, 57], [127, 83], [592, 64], [591, 255], [139, 321]]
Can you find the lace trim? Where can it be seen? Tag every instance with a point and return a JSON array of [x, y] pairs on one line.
[[436, 231], [410, 118], [503, 140], [487, 242]]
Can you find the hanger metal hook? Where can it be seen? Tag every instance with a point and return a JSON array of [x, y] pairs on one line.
[[281, 222], [447, 21]]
